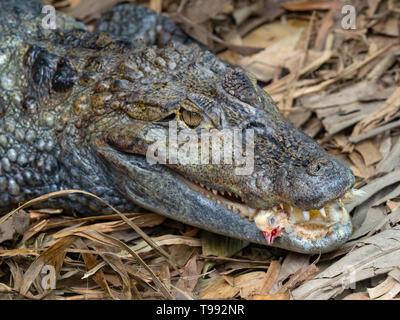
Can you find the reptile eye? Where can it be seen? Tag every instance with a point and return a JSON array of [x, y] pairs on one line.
[[191, 118]]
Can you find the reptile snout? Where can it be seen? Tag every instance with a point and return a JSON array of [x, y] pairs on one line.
[[311, 187]]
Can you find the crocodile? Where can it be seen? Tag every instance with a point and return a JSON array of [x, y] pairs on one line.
[[82, 109]]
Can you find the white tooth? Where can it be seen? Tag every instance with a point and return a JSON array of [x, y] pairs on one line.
[[201, 185], [222, 192], [215, 191], [323, 213], [281, 205], [306, 215], [208, 188], [219, 201], [230, 194]]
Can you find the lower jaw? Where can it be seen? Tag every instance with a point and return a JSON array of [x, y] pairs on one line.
[[314, 230], [339, 234]]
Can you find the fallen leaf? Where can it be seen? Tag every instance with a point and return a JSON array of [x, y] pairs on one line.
[[379, 254], [15, 226]]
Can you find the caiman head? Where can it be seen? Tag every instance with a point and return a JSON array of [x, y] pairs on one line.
[[150, 115]]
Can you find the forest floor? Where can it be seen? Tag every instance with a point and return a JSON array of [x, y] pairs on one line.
[[335, 73]]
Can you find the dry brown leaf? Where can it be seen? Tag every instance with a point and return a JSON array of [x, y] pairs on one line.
[[389, 27], [299, 276], [5, 289], [91, 262], [381, 116], [359, 168], [249, 283], [116, 264], [156, 5], [369, 152], [111, 241], [388, 289], [165, 240], [190, 275], [49, 255], [201, 11], [264, 65], [86, 10], [307, 5], [145, 220], [374, 217], [219, 289], [373, 187], [17, 225], [357, 296], [270, 278], [378, 255], [292, 263], [391, 161]]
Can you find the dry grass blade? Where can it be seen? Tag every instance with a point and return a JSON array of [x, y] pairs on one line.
[[111, 241], [49, 256], [116, 264], [123, 217], [91, 262]]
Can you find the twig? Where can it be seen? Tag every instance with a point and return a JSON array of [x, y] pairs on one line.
[[374, 132]]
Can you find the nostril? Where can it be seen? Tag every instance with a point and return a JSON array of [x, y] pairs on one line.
[[318, 167]]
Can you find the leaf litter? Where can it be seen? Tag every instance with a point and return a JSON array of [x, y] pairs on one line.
[[340, 86]]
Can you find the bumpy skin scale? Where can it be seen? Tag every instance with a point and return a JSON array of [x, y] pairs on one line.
[[75, 108]]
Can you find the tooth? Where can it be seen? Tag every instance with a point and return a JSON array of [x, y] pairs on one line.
[[201, 185], [208, 188], [281, 205], [323, 213], [344, 211], [215, 191], [230, 193], [222, 192], [306, 215], [219, 201]]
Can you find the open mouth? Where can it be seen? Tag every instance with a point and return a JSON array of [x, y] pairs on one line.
[[311, 225]]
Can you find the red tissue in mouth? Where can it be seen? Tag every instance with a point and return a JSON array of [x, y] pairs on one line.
[[270, 236]]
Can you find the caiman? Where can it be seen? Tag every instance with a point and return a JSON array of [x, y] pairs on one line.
[[77, 109]]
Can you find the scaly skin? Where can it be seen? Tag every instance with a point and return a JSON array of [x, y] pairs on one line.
[[76, 106]]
